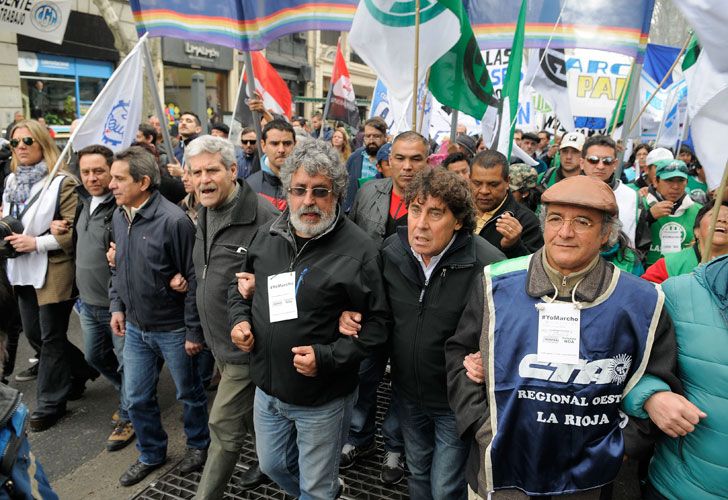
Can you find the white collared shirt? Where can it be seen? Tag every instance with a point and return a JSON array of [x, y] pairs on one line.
[[427, 269]]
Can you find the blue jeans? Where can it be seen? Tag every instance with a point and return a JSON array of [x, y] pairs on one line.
[[142, 351], [299, 447], [104, 350], [363, 418], [436, 455]]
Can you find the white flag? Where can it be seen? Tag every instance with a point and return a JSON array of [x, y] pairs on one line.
[[548, 74], [709, 18], [115, 115], [383, 35], [708, 112]]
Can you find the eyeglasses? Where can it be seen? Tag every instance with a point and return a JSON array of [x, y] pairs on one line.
[[318, 192], [28, 141], [249, 142], [578, 224], [594, 160]]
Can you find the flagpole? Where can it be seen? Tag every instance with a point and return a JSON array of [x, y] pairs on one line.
[[235, 134], [668, 105], [148, 68], [714, 216], [415, 80], [659, 87], [424, 102], [622, 96], [632, 97], [327, 106], [453, 125], [251, 93]]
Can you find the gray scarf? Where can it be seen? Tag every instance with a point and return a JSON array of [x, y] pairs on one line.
[[25, 177]]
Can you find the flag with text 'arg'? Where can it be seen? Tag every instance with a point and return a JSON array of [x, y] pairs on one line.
[[115, 115]]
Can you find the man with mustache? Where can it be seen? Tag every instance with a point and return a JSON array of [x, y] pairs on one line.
[[310, 264], [362, 164]]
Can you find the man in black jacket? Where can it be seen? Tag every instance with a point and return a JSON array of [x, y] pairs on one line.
[[278, 140], [154, 241], [310, 265], [500, 219], [230, 215], [429, 266]]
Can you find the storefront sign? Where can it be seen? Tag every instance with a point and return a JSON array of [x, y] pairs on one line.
[[197, 54], [44, 19]]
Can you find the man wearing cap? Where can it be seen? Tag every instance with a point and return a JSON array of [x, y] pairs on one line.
[[529, 144], [362, 164], [599, 160], [647, 177], [570, 159], [556, 343], [669, 210], [522, 183]]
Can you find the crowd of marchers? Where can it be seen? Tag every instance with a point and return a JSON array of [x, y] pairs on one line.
[[540, 322]]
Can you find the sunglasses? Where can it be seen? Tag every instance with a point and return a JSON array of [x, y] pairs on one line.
[[594, 160], [318, 192], [249, 142], [28, 141], [675, 166]]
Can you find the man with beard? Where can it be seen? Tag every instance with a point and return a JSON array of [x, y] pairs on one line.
[[310, 264], [278, 141], [362, 164]]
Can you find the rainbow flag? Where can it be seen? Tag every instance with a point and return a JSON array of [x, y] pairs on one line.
[[241, 24], [616, 26]]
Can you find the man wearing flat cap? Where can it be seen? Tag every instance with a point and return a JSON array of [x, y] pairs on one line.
[[546, 348]]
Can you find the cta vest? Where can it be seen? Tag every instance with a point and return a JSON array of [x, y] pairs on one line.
[[557, 427]]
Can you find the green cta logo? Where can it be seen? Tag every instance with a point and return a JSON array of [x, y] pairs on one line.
[[480, 86], [401, 14]]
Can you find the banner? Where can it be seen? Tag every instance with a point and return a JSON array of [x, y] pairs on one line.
[[615, 26], [547, 71], [398, 114], [45, 20], [242, 24], [115, 115]]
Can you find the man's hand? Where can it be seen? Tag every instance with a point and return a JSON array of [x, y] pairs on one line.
[[178, 283], [350, 324], [304, 360], [473, 364], [22, 242], [59, 227], [643, 192], [175, 169], [246, 284], [242, 336], [118, 324], [661, 209], [111, 255], [672, 413], [509, 227], [192, 348]]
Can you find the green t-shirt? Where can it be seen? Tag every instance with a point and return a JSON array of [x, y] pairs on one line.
[[697, 190], [672, 233]]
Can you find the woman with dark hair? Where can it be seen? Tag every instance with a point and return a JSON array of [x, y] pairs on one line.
[[42, 274], [636, 165]]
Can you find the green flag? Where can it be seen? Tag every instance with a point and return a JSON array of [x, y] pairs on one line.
[[691, 53], [473, 92], [511, 84], [621, 107]]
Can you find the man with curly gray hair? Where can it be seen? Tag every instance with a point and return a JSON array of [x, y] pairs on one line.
[[309, 265]]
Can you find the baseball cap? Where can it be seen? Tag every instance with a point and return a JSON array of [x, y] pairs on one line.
[[384, 151], [667, 169], [658, 154], [573, 140], [522, 176]]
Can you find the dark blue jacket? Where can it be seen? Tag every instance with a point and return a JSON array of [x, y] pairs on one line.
[[150, 250], [353, 166]]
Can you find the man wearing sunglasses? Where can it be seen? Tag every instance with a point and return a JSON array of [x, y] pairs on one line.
[[599, 159], [310, 264], [247, 154], [558, 341], [669, 210]]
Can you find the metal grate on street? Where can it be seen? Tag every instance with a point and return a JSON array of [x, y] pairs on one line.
[[361, 481]]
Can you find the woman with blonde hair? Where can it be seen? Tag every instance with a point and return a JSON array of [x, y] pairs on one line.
[[42, 273], [340, 142]]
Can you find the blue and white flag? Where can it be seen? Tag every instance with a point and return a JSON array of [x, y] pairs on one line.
[[115, 115]]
